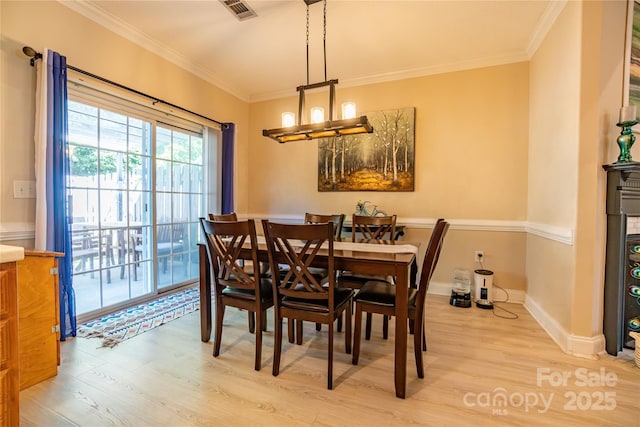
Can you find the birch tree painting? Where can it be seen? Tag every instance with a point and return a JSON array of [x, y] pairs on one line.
[[379, 161]]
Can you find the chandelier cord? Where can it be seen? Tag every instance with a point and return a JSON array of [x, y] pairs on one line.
[[307, 44], [324, 39]]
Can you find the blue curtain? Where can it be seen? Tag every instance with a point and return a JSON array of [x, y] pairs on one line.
[[228, 134], [58, 229]]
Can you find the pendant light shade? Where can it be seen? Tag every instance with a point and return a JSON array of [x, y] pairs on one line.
[[319, 127], [348, 110], [317, 115], [288, 119]]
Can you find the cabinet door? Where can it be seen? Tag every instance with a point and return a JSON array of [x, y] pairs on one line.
[[37, 319], [9, 391]]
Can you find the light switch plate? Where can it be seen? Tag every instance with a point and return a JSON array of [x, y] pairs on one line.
[[24, 189]]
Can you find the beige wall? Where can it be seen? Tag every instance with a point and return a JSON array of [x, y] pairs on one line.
[[553, 164], [93, 48], [471, 149], [576, 81], [603, 56], [471, 163]]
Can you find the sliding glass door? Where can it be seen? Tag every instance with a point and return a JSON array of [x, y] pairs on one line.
[[179, 182], [131, 237]]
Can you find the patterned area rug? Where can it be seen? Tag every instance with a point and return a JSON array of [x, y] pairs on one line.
[[125, 324]]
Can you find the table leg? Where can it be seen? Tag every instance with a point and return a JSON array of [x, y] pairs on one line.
[[402, 287], [205, 294]]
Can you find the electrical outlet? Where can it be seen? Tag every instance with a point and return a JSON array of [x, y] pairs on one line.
[[479, 256]]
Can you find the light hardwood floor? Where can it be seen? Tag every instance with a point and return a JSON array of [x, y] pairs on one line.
[[168, 377]]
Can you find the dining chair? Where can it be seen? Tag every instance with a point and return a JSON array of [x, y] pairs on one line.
[[299, 294], [380, 297], [374, 228], [248, 266], [336, 219], [233, 285], [223, 217]]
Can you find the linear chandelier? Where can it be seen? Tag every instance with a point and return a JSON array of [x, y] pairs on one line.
[[319, 128]]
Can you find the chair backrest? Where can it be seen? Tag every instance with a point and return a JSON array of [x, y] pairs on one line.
[[174, 233], [337, 220], [225, 241], [431, 257], [373, 227], [223, 217], [295, 246]]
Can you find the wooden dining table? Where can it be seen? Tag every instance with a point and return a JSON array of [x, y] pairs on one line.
[[368, 258]]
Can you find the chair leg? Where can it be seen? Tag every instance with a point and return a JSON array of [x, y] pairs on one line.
[[277, 345], [252, 321], [91, 266], [291, 330], [259, 327], [330, 359], [367, 332], [136, 264], [339, 323], [417, 348], [357, 332], [218, 332], [424, 339], [347, 329], [318, 326], [299, 332], [264, 320], [385, 327]]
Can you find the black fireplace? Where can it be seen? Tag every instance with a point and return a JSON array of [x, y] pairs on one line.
[[622, 267]]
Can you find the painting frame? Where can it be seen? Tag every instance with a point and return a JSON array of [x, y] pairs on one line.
[[383, 160]]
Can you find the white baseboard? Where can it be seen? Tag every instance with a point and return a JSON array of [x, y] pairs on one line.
[[444, 288], [575, 345]]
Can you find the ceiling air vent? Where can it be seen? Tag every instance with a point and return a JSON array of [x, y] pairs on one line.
[[240, 9]]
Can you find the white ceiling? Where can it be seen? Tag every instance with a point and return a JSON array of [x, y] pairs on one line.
[[367, 40]]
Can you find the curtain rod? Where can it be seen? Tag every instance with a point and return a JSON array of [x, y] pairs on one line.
[[37, 55]]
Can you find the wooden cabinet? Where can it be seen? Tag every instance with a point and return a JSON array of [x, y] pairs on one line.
[[9, 383], [38, 310]]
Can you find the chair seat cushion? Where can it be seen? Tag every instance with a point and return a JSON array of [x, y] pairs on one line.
[[341, 296], [384, 293], [248, 294], [348, 279]]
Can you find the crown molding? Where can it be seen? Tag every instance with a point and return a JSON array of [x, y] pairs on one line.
[[131, 33], [549, 16], [410, 73]]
